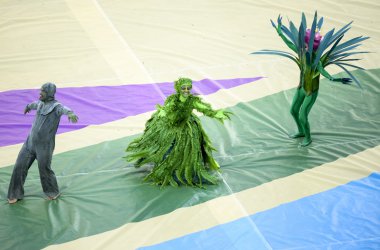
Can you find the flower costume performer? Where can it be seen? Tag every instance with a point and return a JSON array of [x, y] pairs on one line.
[[175, 142], [314, 53], [40, 145]]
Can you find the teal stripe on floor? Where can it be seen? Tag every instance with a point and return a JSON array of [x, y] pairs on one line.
[[100, 192]]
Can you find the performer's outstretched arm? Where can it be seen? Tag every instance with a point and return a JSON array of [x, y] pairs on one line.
[[31, 106], [162, 110], [326, 74], [67, 111], [207, 110]]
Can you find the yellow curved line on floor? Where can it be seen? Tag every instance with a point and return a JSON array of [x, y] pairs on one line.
[[188, 220], [95, 134]]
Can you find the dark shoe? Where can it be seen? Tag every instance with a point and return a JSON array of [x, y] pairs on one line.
[[296, 135], [306, 142]]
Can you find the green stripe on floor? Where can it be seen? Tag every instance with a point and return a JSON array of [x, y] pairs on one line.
[[101, 192]]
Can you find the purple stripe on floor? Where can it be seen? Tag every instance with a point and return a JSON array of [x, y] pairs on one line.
[[95, 105]]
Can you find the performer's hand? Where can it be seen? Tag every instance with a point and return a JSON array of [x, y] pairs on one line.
[[346, 80], [73, 118], [162, 113], [342, 80], [223, 115], [27, 109]]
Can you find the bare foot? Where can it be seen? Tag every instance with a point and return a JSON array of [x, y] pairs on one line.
[[53, 197], [12, 201]]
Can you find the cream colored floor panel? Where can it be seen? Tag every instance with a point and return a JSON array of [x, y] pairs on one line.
[[91, 43], [209, 38], [42, 41], [112, 47]]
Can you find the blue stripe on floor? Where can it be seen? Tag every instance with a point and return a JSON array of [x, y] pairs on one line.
[[346, 217], [237, 235]]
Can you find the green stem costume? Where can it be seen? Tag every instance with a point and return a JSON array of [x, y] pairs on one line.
[[309, 46], [175, 142]]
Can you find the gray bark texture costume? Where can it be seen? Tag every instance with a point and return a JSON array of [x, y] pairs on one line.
[[40, 144]]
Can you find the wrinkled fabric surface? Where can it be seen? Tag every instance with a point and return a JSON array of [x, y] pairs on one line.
[[113, 61]]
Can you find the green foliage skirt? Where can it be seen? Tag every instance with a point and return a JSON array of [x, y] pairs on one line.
[[181, 152]]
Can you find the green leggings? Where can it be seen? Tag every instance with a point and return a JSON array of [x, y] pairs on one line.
[[300, 109]]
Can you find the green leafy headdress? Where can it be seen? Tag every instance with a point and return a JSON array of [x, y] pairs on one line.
[[314, 52], [182, 81]]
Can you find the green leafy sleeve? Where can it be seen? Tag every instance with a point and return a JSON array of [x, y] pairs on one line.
[[207, 110], [163, 110]]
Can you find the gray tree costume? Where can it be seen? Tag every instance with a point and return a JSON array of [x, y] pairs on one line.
[[40, 144]]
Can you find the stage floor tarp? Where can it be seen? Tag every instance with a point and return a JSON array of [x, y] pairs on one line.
[[113, 61]]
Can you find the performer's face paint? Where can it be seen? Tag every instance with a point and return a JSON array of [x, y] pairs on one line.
[[43, 95], [47, 92], [185, 90]]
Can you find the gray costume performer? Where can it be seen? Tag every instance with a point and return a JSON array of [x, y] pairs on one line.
[[40, 145]]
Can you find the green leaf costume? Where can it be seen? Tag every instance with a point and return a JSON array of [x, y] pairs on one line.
[[175, 142], [313, 54]]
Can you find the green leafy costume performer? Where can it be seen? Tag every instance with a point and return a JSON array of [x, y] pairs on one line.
[[175, 142], [40, 145], [313, 54]]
